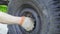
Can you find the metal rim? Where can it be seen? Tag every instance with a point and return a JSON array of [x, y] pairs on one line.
[[33, 14]]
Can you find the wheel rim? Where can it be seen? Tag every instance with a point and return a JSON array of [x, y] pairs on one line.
[[28, 12]]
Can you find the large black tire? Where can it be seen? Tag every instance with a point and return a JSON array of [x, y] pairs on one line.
[[45, 12]]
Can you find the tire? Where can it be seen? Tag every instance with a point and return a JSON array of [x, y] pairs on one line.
[[45, 13]]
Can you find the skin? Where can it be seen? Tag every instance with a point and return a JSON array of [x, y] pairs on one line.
[[9, 19]]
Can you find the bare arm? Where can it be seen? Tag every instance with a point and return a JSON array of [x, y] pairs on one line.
[[8, 19], [26, 22]]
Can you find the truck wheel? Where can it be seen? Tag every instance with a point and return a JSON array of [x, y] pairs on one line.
[[45, 14]]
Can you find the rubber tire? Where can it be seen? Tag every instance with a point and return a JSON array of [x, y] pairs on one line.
[[49, 11]]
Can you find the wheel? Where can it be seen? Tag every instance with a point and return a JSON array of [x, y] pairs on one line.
[[45, 14]]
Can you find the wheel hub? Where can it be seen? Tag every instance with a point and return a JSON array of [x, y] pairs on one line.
[[28, 14]]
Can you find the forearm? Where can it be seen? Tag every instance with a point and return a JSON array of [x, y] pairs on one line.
[[8, 19]]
